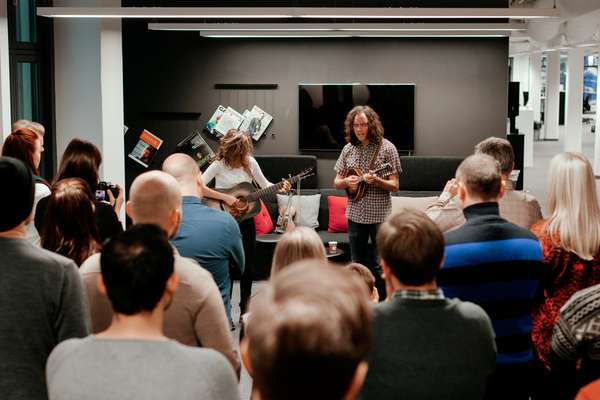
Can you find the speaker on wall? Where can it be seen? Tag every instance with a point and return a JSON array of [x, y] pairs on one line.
[[513, 104], [518, 145]]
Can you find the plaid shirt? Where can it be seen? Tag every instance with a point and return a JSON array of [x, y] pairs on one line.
[[376, 204], [435, 294], [516, 206]]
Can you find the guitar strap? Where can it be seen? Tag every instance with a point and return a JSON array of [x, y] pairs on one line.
[[372, 164], [249, 172]]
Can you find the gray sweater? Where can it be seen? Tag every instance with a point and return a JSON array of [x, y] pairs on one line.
[[98, 369], [41, 304], [430, 349]]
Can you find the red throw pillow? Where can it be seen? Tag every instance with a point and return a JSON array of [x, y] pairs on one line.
[[263, 221], [337, 214]]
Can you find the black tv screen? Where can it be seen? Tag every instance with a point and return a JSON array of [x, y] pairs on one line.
[[323, 109]]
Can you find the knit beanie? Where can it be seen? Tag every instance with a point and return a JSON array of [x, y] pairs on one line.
[[16, 201]]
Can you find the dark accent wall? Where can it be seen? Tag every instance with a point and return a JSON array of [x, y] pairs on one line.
[[460, 95]]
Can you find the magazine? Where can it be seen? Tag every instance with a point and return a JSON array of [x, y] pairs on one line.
[[212, 122], [146, 148], [230, 119], [256, 122], [196, 147]]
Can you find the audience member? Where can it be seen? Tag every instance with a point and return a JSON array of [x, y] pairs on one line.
[[570, 239], [133, 359], [41, 302], [209, 236], [426, 346], [309, 335], [36, 127], [516, 206], [576, 341], [367, 276], [495, 264], [298, 244], [82, 159], [27, 146], [70, 229], [196, 316]]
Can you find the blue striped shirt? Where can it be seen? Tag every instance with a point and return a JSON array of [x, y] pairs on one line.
[[495, 264]]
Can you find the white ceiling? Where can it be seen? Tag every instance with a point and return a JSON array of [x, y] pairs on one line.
[[579, 26]]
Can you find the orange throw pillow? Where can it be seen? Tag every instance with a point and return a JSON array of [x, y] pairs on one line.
[[263, 221], [337, 214]]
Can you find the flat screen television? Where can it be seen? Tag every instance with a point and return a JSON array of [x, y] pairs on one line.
[[323, 109]]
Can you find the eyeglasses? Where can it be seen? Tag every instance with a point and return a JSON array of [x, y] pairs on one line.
[[360, 125]]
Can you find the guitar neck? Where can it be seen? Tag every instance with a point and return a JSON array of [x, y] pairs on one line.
[[272, 189]]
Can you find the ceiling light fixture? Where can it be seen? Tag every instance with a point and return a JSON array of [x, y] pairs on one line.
[[307, 27], [297, 12]]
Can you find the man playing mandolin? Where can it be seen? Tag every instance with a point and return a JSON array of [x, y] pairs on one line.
[[369, 197]]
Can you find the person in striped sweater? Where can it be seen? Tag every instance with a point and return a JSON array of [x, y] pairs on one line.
[[495, 264]]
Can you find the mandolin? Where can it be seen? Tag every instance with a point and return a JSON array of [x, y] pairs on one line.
[[248, 205], [359, 192]]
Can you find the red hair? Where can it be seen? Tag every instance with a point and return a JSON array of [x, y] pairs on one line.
[[21, 144]]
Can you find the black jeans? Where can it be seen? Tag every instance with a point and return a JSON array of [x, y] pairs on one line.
[[363, 252], [248, 230]]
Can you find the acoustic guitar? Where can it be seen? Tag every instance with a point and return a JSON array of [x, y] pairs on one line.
[[248, 205], [359, 192]]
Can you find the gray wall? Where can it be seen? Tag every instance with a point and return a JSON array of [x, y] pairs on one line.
[[460, 95]]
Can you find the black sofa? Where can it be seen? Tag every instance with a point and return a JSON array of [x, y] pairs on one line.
[[422, 176]]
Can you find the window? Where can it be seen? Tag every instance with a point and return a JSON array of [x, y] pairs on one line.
[[31, 71], [25, 21]]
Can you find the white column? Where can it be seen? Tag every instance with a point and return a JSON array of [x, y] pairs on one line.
[[521, 74], [111, 86], [597, 133], [88, 69], [5, 117], [552, 96], [535, 85], [574, 100]]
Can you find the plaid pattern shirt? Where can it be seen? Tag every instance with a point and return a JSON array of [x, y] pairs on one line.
[[518, 207], [435, 294], [376, 204]]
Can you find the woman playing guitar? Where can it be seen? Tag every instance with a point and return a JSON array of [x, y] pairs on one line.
[[366, 151], [234, 164]]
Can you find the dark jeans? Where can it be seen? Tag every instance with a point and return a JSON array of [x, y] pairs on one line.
[[363, 252], [248, 230]]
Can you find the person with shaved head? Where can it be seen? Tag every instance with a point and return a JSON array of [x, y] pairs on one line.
[[196, 316], [211, 237]]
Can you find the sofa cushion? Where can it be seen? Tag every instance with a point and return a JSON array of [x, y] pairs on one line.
[[324, 207], [338, 222], [263, 221], [306, 206]]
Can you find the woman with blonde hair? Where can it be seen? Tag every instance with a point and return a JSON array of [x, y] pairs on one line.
[[570, 239], [234, 164], [298, 244]]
